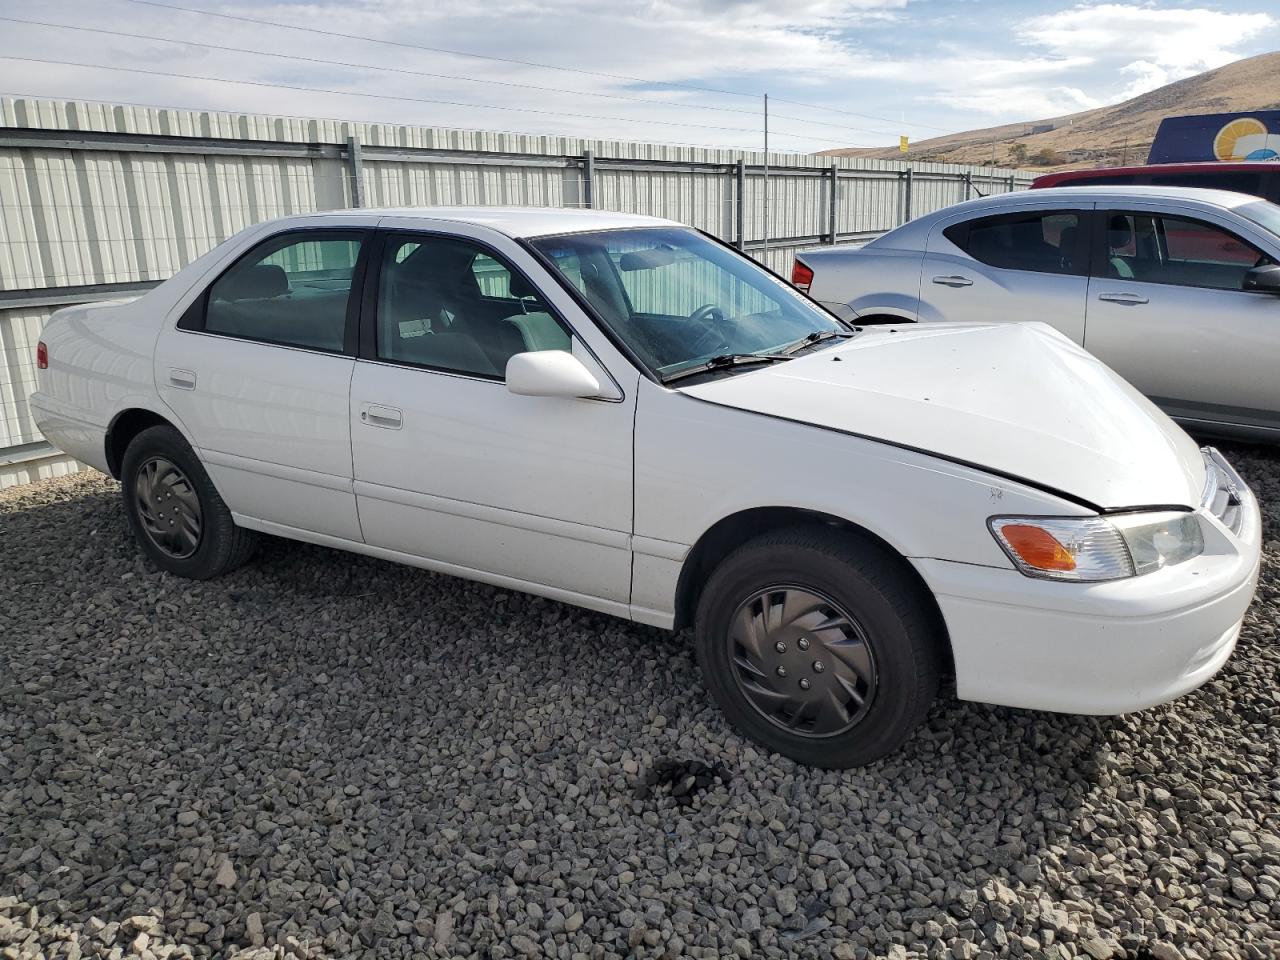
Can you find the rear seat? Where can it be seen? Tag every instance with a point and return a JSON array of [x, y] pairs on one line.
[[256, 302]]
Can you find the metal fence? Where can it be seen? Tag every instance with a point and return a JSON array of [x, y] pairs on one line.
[[101, 201]]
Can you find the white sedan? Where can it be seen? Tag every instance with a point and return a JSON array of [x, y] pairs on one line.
[[1174, 288], [622, 413]]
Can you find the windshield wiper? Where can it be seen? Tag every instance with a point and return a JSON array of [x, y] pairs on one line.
[[818, 336], [726, 361]]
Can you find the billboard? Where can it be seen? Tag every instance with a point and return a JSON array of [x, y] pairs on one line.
[[1218, 136]]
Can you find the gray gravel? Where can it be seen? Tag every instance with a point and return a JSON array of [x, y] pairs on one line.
[[325, 755]]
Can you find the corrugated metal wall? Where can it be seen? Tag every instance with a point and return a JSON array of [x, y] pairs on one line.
[[94, 194]]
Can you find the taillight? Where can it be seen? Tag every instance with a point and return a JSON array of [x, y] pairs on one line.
[[801, 276], [42, 356]]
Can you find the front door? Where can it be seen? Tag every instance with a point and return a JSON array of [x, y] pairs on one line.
[[258, 370], [453, 468], [1167, 312], [1029, 265]]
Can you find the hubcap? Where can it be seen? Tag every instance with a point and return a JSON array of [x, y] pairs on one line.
[[168, 507], [802, 662]]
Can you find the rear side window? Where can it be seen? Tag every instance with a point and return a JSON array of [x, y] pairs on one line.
[[1042, 241], [292, 291]]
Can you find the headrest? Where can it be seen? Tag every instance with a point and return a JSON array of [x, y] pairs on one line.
[[1119, 232], [521, 288], [258, 282], [443, 262]]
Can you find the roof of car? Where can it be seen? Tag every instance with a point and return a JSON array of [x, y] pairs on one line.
[[1049, 195], [517, 221]]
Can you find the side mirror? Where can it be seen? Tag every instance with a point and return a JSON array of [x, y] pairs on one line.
[[1264, 279], [550, 373]]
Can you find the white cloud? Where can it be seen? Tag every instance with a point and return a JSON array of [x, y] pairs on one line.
[[1090, 55], [1150, 44], [848, 54]]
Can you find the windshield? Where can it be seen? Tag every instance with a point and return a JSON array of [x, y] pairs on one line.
[[677, 299], [1262, 212]]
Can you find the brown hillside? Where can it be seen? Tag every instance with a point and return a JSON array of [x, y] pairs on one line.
[[1106, 136]]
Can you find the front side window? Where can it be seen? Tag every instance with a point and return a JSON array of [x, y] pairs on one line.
[[1040, 241], [678, 299], [1149, 248], [292, 291], [447, 304]]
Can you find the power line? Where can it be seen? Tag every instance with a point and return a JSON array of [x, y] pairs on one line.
[[524, 63], [387, 96], [436, 76], [390, 123]]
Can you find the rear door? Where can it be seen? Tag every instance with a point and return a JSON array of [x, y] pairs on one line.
[[258, 369], [1167, 312], [1027, 265]]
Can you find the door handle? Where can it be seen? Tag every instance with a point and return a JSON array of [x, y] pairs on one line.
[[954, 281], [1131, 298], [376, 415], [182, 379]]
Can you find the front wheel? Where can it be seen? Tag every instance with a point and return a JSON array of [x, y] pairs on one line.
[[176, 514], [819, 646]]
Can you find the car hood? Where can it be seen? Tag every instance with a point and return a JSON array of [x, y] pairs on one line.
[[1016, 399]]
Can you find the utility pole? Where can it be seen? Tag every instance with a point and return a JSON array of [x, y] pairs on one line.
[[765, 248]]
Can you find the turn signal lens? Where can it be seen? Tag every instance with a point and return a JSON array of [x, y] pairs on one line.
[[42, 356], [801, 276], [1037, 548], [1093, 548], [1064, 548]]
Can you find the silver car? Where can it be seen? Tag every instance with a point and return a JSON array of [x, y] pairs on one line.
[[1177, 289]]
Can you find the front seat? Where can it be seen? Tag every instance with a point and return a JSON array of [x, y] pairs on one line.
[[1119, 236], [538, 329]]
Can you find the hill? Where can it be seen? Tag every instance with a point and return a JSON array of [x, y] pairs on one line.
[[1105, 136]]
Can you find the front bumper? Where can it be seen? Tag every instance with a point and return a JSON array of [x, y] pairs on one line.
[[1099, 648]]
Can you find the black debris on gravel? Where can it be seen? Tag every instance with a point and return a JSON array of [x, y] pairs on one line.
[[683, 780]]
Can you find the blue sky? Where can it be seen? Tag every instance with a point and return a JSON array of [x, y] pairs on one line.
[[871, 69]]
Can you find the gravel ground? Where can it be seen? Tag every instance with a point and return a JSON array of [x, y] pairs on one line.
[[323, 755]]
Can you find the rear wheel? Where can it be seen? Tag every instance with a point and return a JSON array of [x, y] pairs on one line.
[[819, 646], [176, 514]]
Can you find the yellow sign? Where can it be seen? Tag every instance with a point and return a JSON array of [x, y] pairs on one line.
[[902, 144]]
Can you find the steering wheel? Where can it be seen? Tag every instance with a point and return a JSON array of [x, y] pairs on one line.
[[710, 317]]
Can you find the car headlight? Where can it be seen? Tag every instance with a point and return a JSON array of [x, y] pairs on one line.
[[1098, 548]]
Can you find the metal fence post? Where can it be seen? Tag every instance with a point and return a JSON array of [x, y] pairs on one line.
[[588, 179], [907, 180], [356, 169], [835, 200], [741, 213]]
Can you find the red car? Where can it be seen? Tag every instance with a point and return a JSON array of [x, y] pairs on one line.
[[1258, 178]]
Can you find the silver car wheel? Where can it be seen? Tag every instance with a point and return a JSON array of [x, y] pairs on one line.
[[803, 662], [168, 507]]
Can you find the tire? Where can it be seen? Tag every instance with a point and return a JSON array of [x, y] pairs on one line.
[[183, 526], [856, 628]]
